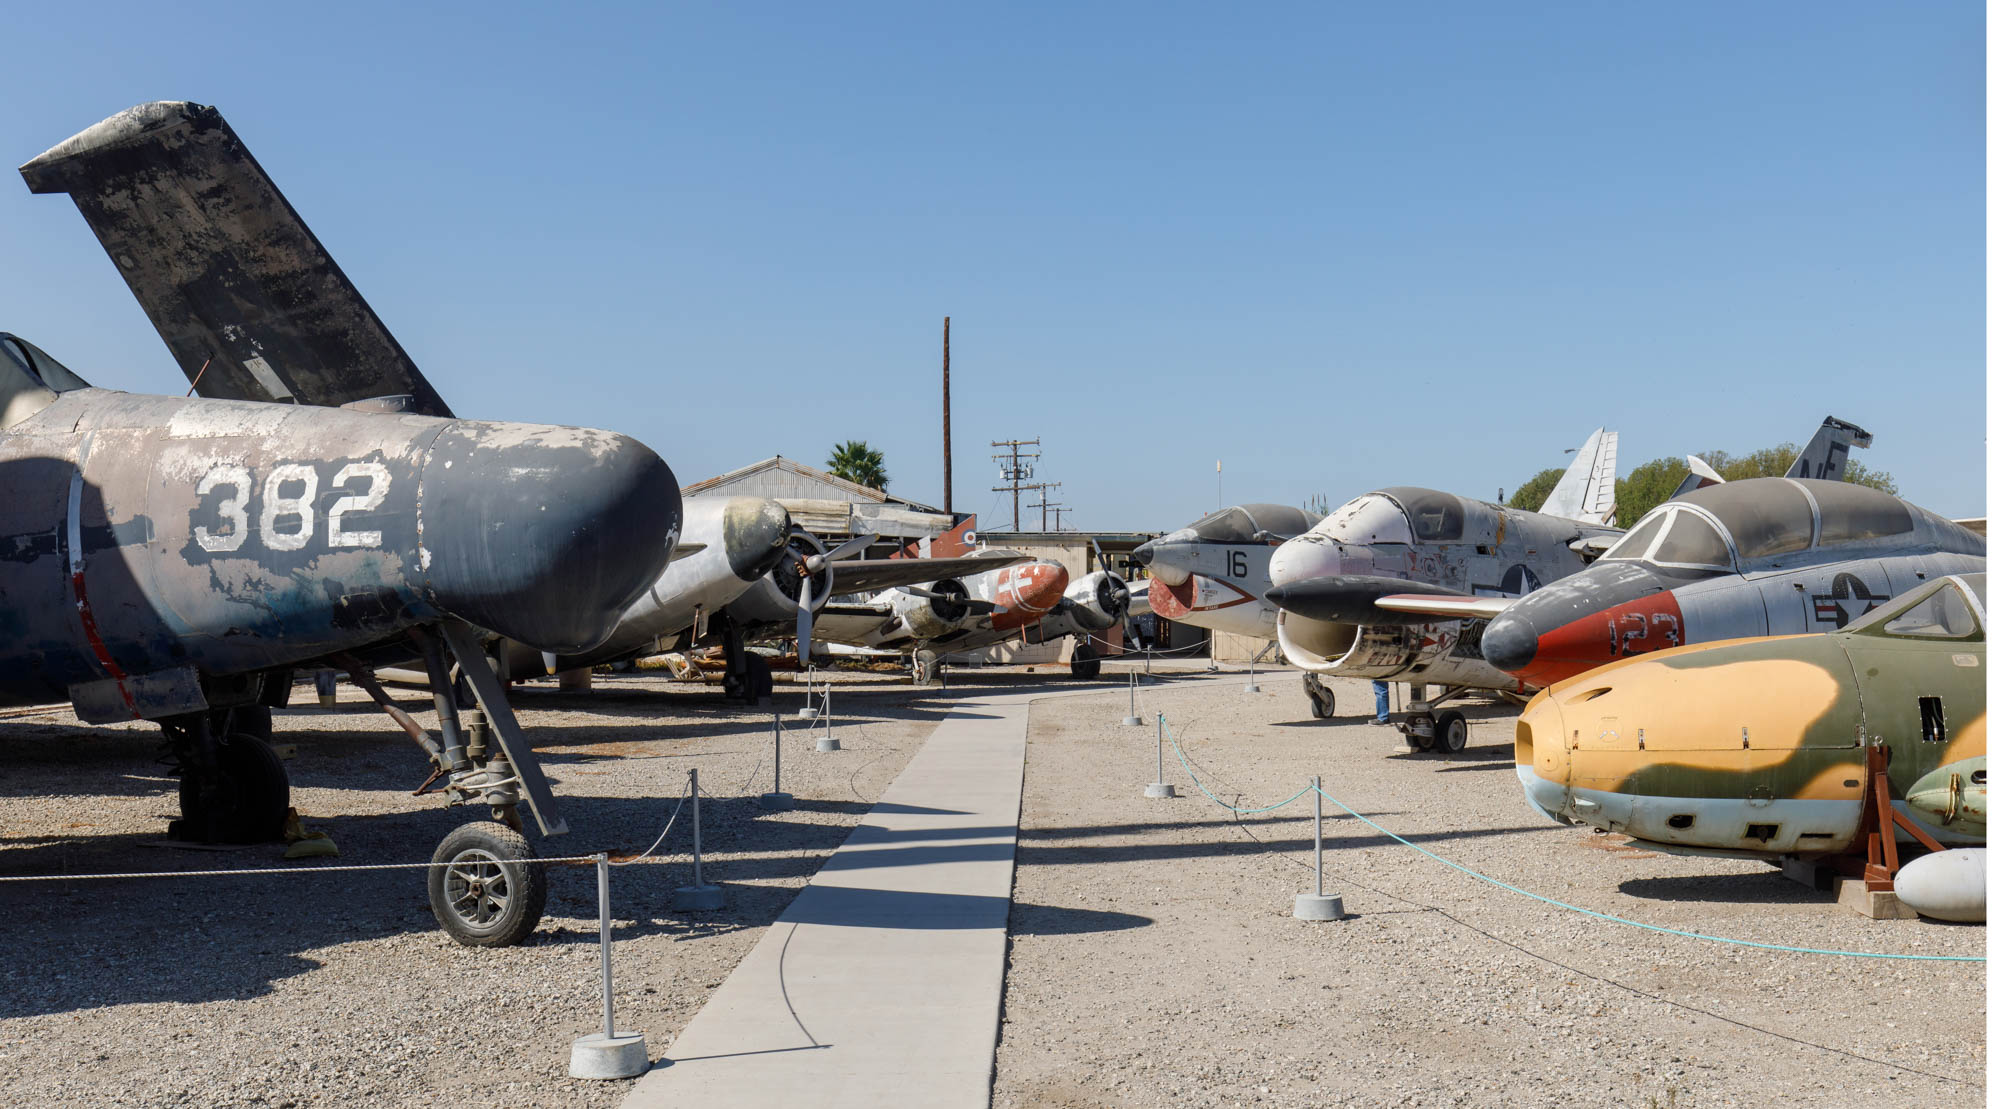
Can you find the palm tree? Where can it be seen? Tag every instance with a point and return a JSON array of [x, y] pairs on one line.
[[858, 463]]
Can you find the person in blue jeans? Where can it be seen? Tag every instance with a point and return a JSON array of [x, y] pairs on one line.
[[1381, 702]]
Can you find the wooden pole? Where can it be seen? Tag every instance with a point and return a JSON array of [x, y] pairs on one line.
[[947, 415]]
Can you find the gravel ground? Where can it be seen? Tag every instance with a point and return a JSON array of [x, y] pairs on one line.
[[340, 989], [1154, 960]]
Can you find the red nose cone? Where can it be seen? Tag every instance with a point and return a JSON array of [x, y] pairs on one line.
[[1029, 592], [1650, 623]]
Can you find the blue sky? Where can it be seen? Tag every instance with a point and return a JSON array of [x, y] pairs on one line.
[[1334, 246]]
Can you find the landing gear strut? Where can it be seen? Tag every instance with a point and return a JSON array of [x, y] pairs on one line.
[[233, 787], [1426, 729], [487, 892], [746, 677], [1320, 695]]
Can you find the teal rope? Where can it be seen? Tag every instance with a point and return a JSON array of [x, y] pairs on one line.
[[1204, 789], [1563, 904]]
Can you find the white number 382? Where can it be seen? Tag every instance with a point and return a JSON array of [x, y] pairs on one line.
[[285, 521]]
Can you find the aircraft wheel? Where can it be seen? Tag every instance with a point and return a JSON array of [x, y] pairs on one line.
[[923, 667], [1451, 732], [1416, 741], [487, 896], [1320, 696], [1086, 668], [756, 679], [250, 800]]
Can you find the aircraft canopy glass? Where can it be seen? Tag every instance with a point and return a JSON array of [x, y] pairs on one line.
[[1944, 612], [1849, 512], [1242, 523], [1434, 516], [1672, 536], [1640, 539], [1765, 517]]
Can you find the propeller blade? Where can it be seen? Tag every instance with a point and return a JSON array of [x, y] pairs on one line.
[[804, 631], [848, 549]]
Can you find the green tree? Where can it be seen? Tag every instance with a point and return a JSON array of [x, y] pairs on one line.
[[1873, 479], [1535, 490], [1646, 486], [856, 461]]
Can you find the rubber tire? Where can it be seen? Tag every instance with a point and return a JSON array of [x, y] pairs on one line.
[[1417, 742], [1322, 709], [1086, 668], [756, 679], [257, 793], [527, 885], [1451, 732], [924, 668]]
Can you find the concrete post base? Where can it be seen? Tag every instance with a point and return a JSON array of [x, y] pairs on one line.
[[1253, 687], [1160, 789], [775, 800], [1132, 722], [826, 743], [621, 1056], [1315, 906], [704, 898], [808, 713]]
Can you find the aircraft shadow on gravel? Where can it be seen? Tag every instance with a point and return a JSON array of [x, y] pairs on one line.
[[1749, 888]]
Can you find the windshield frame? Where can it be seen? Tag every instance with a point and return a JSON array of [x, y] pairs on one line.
[[1668, 516]]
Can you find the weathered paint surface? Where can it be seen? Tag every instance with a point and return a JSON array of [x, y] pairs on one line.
[[1470, 547], [1633, 602], [1758, 745], [161, 536]]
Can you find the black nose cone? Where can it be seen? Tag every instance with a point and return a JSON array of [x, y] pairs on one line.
[[543, 534], [1509, 643], [1143, 553]]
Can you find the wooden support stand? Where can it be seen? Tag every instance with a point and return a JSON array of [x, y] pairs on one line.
[[1879, 821]]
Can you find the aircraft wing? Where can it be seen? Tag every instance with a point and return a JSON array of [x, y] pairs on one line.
[[866, 575], [246, 298], [1463, 608], [848, 623]]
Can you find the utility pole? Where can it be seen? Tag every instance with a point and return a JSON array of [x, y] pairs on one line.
[[947, 415], [1045, 504], [1019, 467]]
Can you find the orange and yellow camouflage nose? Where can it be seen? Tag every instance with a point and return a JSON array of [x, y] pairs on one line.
[[1541, 758]]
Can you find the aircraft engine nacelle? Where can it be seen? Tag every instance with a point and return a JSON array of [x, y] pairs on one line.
[[941, 613], [1098, 600], [775, 596], [1352, 650]]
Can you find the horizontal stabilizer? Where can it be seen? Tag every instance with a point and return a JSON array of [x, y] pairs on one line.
[[248, 301], [1463, 608], [1700, 476], [865, 575], [1352, 598]]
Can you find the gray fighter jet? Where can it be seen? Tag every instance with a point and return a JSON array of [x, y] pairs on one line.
[[176, 559]]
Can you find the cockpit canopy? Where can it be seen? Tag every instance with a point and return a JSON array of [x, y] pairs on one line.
[[1253, 523], [30, 379], [1948, 608], [1712, 528]]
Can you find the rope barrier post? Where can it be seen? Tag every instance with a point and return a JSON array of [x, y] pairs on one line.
[[1160, 787], [1252, 687], [808, 711], [610, 1053], [1132, 701], [777, 798], [827, 742], [1317, 905], [698, 896], [1149, 662]]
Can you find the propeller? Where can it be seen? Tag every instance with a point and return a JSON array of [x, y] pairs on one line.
[[809, 567], [970, 604]]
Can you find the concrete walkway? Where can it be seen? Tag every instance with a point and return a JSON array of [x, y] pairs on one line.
[[881, 983]]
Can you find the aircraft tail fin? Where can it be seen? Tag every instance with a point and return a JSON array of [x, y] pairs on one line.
[[246, 298], [1588, 490], [1701, 475], [1826, 455]]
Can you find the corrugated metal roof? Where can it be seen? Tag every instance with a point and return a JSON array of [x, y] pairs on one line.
[[780, 462]]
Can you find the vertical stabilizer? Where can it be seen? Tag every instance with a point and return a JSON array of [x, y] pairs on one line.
[[1826, 455], [1589, 488]]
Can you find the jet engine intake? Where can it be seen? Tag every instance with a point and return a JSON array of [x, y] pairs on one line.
[[1351, 650]]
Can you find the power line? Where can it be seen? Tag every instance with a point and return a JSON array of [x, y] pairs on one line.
[[1019, 467]]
